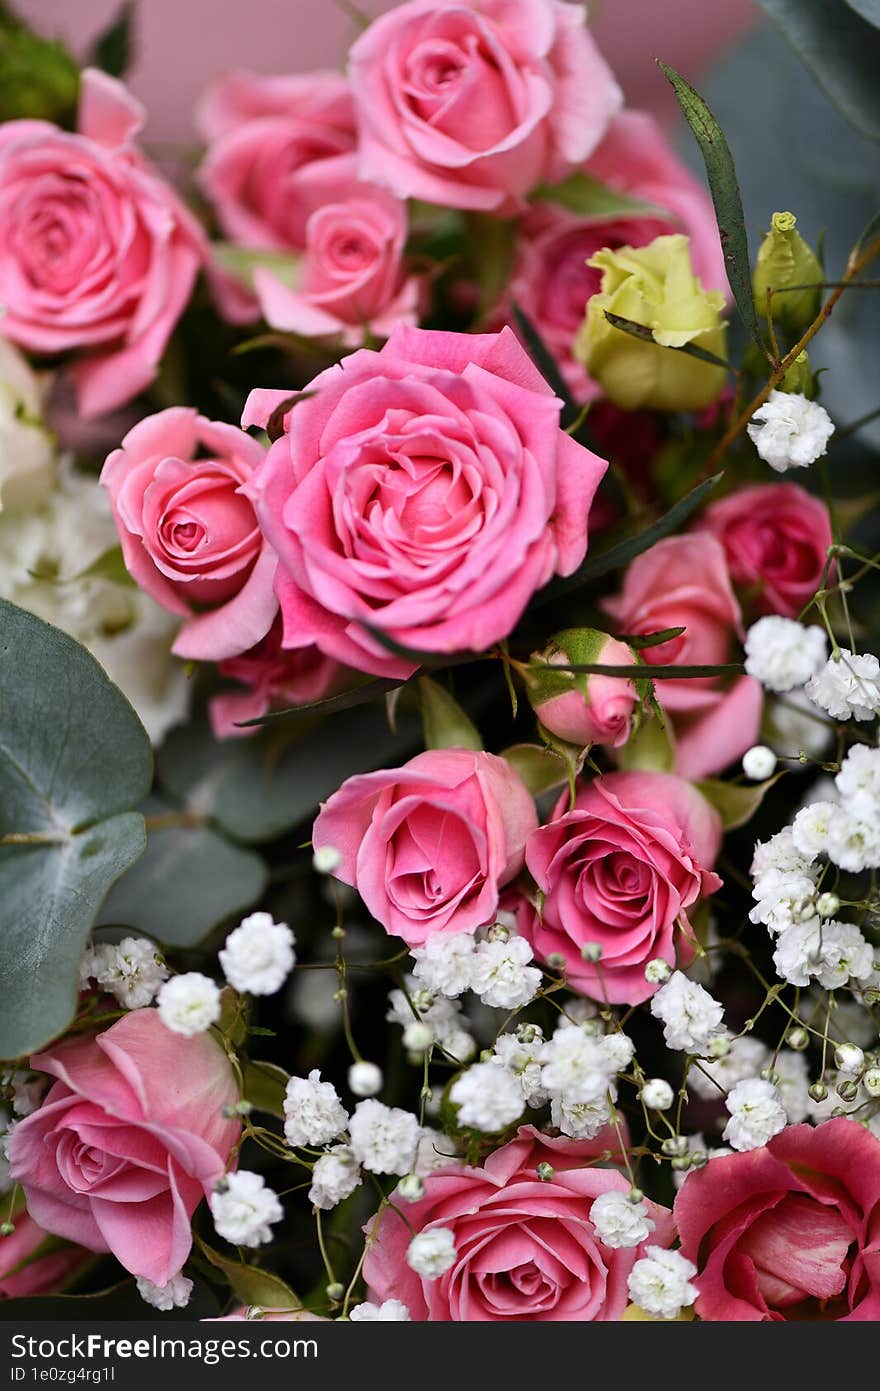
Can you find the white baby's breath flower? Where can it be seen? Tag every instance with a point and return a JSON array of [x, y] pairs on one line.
[[444, 964], [313, 1113], [783, 654], [189, 1004], [335, 1176], [384, 1138], [244, 1209], [691, 1017], [790, 431], [501, 974], [660, 1283], [389, 1311], [132, 970], [756, 1114], [620, 1223], [432, 1252], [173, 1295], [848, 686], [488, 1097], [258, 956]]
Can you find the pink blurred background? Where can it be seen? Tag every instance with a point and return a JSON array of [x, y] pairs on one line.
[[183, 44]]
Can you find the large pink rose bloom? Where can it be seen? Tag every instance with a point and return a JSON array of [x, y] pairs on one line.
[[428, 845], [129, 1139], [552, 281], [622, 868], [189, 534], [471, 103], [97, 253], [790, 1231], [525, 1249], [684, 582], [776, 538], [426, 490], [31, 1262]]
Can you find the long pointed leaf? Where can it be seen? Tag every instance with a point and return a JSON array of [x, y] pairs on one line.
[[642, 332], [547, 365]]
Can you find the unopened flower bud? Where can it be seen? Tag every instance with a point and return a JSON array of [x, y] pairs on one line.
[[544, 1172], [674, 1146], [580, 707], [848, 1089], [657, 1094], [7, 1228], [849, 1058], [365, 1079], [827, 905], [411, 1188], [785, 259], [682, 1162], [335, 1292], [327, 859], [657, 971], [423, 1000], [818, 1091], [797, 1038], [418, 1037], [592, 952], [759, 762], [699, 1159], [719, 1046], [871, 1081], [556, 961], [498, 932], [635, 1196]]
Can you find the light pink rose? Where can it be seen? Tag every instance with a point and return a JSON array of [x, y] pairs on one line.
[[97, 253], [188, 531], [27, 1269], [271, 678], [268, 137], [683, 581], [788, 1232], [128, 1140], [471, 103], [429, 845], [525, 1249], [586, 708], [776, 538], [552, 281], [351, 281], [622, 868], [426, 490]]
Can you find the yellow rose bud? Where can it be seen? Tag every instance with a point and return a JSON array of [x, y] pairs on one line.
[[654, 286], [785, 259]]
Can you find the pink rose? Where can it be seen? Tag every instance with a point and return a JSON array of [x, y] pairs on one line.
[[352, 280], [27, 1268], [787, 1232], [270, 1316], [622, 868], [428, 845], [96, 251], [272, 678], [525, 1249], [188, 531], [683, 582], [584, 708], [471, 103], [129, 1139], [776, 538], [426, 490], [268, 138], [552, 281]]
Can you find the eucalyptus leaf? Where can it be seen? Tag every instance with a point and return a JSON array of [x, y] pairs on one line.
[[840, 45], [446, 725], [868, 9]]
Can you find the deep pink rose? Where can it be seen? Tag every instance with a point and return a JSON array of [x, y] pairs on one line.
[[129, 1139], [426, 490], [471, 103], [428, 845], [271, 678], [552, 281], [268, 137], [790, 1231], [622, 868], [351, 281], [776, 538], [189, 533], [96, 251], [26, 1269], [684, 582], [525, 1249]]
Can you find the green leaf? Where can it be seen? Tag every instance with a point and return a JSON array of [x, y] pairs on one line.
[[539, 767], [252, 1286], [188, 880], [74, 760], [645, 672], [735, 804], [373, 689], [275, 423], [726, 197], [112, 51], [648, 749], [108, 566], [39, 79], [594, 201], [547, 365], [645, 335], [841, 48], [446, 724], [264, 1086], [639, 641], [594, 567]]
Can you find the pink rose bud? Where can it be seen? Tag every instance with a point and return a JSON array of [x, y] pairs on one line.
[[583, 707]]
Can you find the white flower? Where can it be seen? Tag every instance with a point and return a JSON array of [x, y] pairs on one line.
[[443, 1017], [581, 1120], [327, 859], [660, 1283], [691, 1017], [759, 762], [784, 898], [365, 1079], [313, 1113], [830, 952], [657, 1094], [335, 1176], [501, 975], [244, 1209], [435, 1151], [697, 1143], [27, 447], [390, 1311], [189, 1004], [577, 1066], [790, 431], [756, 1114], [521, 1054], [174, 1295], [444, 964], [133, 970], [384, 1138], [778, 853], [847, 686], [618, 1222], [27, 1092], [783, 654], [811, 828], [858, 782], [488, 1097], [745, 1058], [432, 1252], [258, 956], [853, 844], [797, 727]]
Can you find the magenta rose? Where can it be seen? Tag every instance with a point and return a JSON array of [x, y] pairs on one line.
[[128, 1140], [426, 490], [622, 868], [270, 677], [189, 533], [351, 281], [97, 253], [776, 538], [471, 103], [32, 1262], [525, 1249], [787, 1232], [684, 582], [268, 137], [429, 845]]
